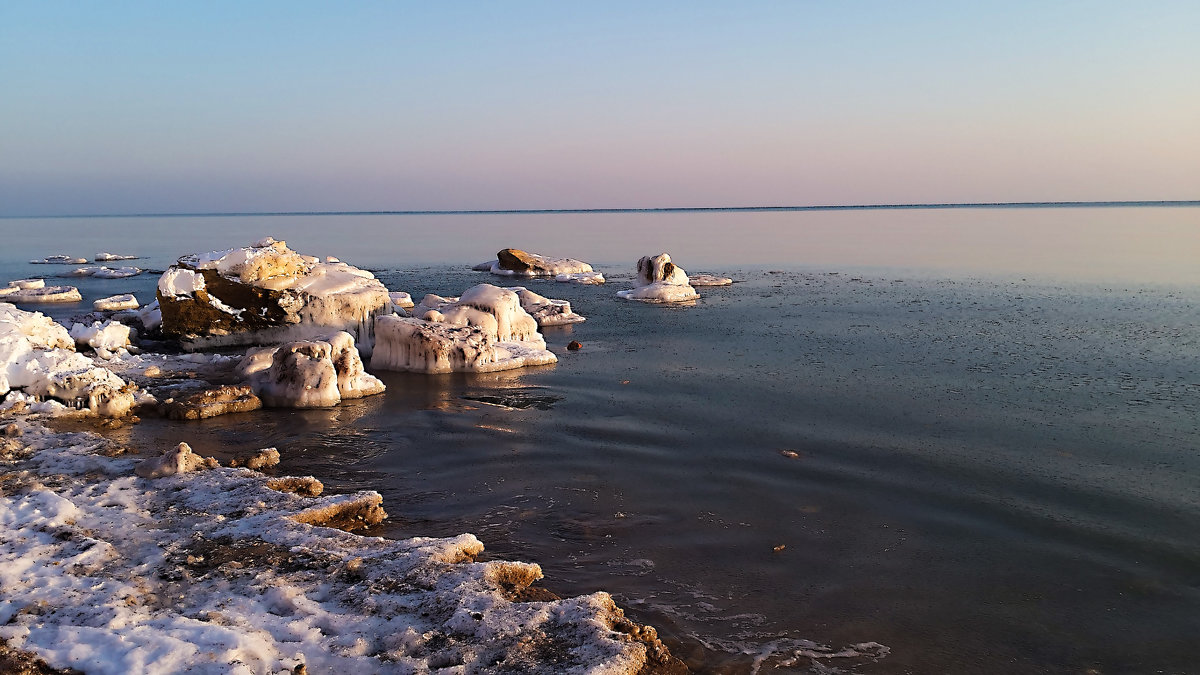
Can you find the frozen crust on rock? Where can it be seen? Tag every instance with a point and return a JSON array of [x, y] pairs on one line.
[[412, 344], [36, 290], [546, 311], [115, 303], [266, 293], [309, 374], [584, 278], [515, 262], [213, 571], [661, 281]]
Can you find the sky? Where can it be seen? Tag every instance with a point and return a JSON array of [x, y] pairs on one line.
[[152, 107]]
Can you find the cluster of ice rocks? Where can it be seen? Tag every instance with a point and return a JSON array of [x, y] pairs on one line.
[[513, 262], [267, 293], [309, 374], [661, 281]]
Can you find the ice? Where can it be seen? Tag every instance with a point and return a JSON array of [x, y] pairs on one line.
[[547, 312], [662, 282], [413, 344], [515, 262], [108, 257], [36, 291], [115, 303], [60, 260], [151, 316], [401, 299], [585, 278], [101, 272], [708, 280], [179, 460], [107, 338], [266, 294], [309, 374]]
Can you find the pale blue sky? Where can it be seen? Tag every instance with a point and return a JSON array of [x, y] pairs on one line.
[[222, 106]]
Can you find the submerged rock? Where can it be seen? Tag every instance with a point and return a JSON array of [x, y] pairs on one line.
[[662, 281], [515, 262], [309, 374], [266, 293], [211, 403]]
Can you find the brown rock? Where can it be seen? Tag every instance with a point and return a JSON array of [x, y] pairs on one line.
[[516, 260], [574, 345], [211, 403]]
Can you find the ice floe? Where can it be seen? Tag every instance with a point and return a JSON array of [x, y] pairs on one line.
[[108, 257], [515, 262], [309, 374], [36, 291], [546, 311], [264, 294], [584, 278], [708, 280], [60, 260], [102, 272], [662, 281], [116, 303]]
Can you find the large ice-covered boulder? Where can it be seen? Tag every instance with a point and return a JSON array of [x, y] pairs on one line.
[[267, 293], [37, 357], [485, 329], [515, 262], [660, 281], [309, 374]]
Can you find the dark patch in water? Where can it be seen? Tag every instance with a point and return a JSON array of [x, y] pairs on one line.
[[521, 400]]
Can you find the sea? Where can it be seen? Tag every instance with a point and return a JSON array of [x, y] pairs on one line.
[[905, 440]]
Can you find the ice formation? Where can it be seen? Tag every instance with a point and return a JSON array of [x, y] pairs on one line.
[[60, 260], [221, 570], [101, 272], [36, 290], [585, 278], [515, 262], [211, 403], [485, 329], [401, 299], [37, 358], [266, 293], [115, 303], [108, 338], [708, 280], [546, 311], [309, 374], [108, 257], [662, 281]]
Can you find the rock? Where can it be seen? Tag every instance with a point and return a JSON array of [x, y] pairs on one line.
[[305, 486], [515, 262], [574, 345], [172, 462], [266, 294], [662, 282], [12, 430], [211, 403], [265, 458], [309, 374]]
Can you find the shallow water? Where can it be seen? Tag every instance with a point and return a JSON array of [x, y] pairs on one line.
[[983, 473]]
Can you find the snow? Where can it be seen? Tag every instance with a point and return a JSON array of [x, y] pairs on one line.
[[115, 303], [107, 338], [708, 280], [515, 262], [401, 299], [585, 278], [151, 316], [179, 281], [101, 272], [403, 343], [60, 260], [661, 282], [107, 257], [172, 462], [212, 571], [546, 311], [30, 290], [309, 374]]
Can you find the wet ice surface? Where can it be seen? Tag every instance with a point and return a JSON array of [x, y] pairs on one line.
[[982, 476]]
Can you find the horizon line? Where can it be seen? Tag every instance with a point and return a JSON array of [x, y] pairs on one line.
[[661, 209]]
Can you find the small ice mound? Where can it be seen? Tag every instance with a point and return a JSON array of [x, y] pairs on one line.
[[496, 310], [36, 290], [484, 266], [150, 316], [401, 299], [179, 460], [515, 262], [108, 339], [662, 282], [213, 402], [60, 260], [109, 257], [546, 311], [418, 345], [115, 303], [309, 374], [585, 278], [101, 272], [708, 280]]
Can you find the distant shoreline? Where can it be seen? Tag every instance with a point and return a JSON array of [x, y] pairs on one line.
[[664, 209]]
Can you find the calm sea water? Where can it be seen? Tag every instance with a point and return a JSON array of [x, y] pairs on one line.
[[969, 435]]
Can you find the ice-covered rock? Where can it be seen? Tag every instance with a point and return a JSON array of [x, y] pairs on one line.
[[708, 280], [211, 403], [309, 374], [585, 278], [60, 260], [115, 303], [36, 290], [151, 316], [108, 338], [546, 311], [178, 460], [404, 343], [108, 257], [661, 281], [515, 262], [101, 272], [37, 357], [401, 299], [265, 294]]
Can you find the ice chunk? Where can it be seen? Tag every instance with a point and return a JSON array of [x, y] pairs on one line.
[[101, 272], [108, 257], [211, 403], [708, 280], [179, 460], [107, 338], [585, 278], [515, 262], [115, 303], [546, 311], [404, 343], [401, 299], [661, 280], [309, 374], [29, 290], [151, 316], [60, 260]]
